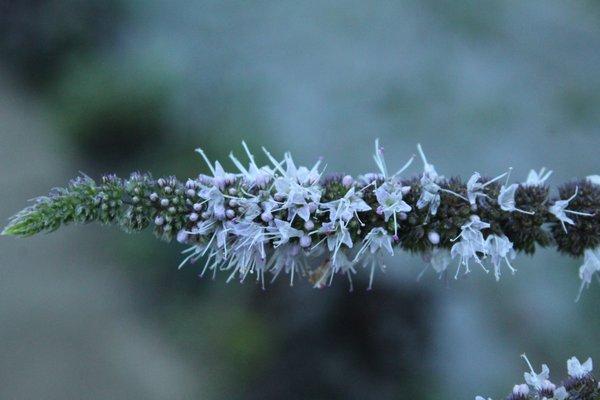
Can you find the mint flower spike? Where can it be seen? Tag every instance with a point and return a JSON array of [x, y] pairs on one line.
[[264, 221], [580, 385]]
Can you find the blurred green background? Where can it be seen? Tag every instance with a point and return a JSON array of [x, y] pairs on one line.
[[124, 85]]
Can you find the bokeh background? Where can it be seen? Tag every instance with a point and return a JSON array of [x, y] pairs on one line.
[[121, 85]]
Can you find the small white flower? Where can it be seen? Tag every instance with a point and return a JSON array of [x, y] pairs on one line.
[[591, 265], [521, 390], [428, 169], [220, 178], [534, 379], [344, 209], [594, 179], [577, 370], [282, 232], [380, 161], [499, 248], [561, 393], [288, 258], [377, 239], [471, 242], [506, 199], [429, 194], [438, 258], [254, 176], [475, 188], [559, 210], [537, 178], [389, 197]]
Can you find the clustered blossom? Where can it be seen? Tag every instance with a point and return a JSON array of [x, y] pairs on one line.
[[281, 218], [580, 385]]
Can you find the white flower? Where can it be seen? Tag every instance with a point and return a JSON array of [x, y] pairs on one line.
[[591, 265], [506, 199], [471, 242], [380, 161], [297, 186], [389, 197], [344, 209], [593, 179], [537, 178], [499, 248], [376, 240], [577, 370], [220, 178], [482, 398], [336, 234], [254, 176], [534, 379], [521, 390], [430, 190], [429, 194], [561, 393], [428, 169], [438, 258], [559, 210], [288, 258], [475, 188], [282, 232]]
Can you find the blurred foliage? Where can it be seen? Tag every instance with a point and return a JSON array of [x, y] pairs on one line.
[[38, 37], [113, 111]]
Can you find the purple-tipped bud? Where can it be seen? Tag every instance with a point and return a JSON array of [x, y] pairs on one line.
[[154, 197], [278, 197], [159, 220], [230, 213], [205, 215], [161, 182], [193, 217], [521, 390], [379, 210], [164, 202], [232, 191], [190, 192], [312, 207], [309, 225], [197, 207], [305, 241], [190, 184], [168, 189], [402, 216], [347, 181], [396, 238], [233, 203]]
